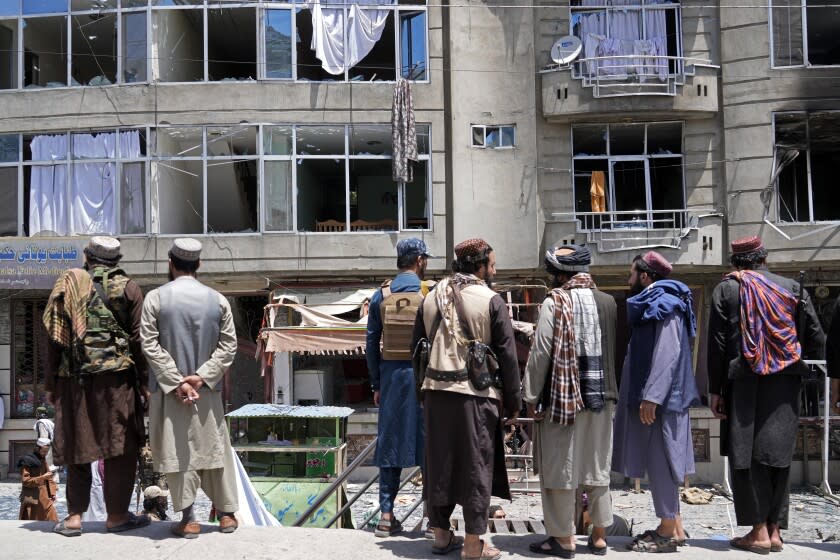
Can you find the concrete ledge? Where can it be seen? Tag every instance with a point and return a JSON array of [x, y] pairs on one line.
[[29, 539]]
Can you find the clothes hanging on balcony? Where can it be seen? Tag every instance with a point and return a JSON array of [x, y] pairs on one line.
[[332, 23], [403, 133], [597, 192]]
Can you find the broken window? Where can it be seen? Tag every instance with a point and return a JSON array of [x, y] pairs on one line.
[[804, 32], [94, 55], [231, 44], [178, 45], [45, 51], [380, 64], [232, 179], [352, 189], [628, 175], [493, 136], [364, 41], [807, 157], [178, 180], [8, 54]]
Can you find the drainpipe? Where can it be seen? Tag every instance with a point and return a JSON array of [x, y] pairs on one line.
[[447, 119]]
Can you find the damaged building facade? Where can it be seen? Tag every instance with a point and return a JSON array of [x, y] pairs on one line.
[[265, 129]]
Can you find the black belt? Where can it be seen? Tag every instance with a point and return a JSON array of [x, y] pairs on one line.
[[450, 376]]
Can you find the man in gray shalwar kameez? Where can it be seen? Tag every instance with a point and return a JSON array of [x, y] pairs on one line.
[[575, 453], [189, 341]]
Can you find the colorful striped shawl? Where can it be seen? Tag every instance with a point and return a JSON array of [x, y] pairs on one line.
[[768, 324]]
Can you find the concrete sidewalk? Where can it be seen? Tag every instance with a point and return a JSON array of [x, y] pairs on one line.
[[21, 540]]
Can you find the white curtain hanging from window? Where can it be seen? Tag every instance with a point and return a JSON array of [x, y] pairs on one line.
[[362, 25], [93, 185], [48, 186]]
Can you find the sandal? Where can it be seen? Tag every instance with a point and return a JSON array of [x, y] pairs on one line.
[[651, 541], [134, 522], [555, 548], [388, 527], [738, 542], [683, 542], [596, 550], [486, 553], [454, 544], [62, 529]]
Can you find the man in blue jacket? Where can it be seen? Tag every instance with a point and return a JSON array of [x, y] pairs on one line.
[[652, 427], [400, 430]]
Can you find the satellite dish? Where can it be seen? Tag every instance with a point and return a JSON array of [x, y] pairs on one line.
[[565, 49]]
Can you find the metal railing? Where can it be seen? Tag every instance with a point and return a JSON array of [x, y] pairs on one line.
[[825, 420], [333, 487], [620, 230], [635, 74]]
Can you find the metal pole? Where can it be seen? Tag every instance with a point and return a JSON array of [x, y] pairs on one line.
[[335, 484], [412, 510], [826, 414], [352, 500]]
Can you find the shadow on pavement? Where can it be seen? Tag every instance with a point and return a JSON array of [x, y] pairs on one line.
[[156, 531]]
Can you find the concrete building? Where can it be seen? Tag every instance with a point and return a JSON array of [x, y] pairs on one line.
[[678, 127]]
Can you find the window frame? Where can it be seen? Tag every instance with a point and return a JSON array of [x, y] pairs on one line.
[[347, 157], [806, 64], [810, 193], [260, 7], [612, 159], [294, 5], [484, 127], [151, 158]]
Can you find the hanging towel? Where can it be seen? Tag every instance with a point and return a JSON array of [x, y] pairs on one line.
[[597, 192], [403, 133]]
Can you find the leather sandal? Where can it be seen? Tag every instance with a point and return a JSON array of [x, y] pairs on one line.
[[651, 541], [554, 548], [454, 544], [388, 527], [486, 553]]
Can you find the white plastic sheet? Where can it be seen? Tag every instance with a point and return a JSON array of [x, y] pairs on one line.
[[252, 511]]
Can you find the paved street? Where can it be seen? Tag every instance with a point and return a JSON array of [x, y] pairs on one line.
[[26, 540], [813, 520]]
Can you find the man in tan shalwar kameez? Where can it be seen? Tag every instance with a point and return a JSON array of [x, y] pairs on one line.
[[570, 372], [189, 341]]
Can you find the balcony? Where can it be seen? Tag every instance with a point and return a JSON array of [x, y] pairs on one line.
[[625, 86], [697, 233]]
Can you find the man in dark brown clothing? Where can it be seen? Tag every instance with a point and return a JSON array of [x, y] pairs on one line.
[[97, 378]]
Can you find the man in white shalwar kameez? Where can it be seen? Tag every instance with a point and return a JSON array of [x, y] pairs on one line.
[[189, 341], [570, 372]]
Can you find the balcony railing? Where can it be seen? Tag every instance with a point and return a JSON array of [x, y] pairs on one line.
[[633, 74], [622, 230]]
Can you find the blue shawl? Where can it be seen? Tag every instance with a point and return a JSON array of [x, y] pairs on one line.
[[654, 304]]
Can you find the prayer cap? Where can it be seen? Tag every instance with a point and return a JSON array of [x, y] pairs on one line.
[[657, 263], [568, 258], [746, 245], [411, 247], [154, 492], [471, 249], [186, 249], [43, 442], [104, 248]]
